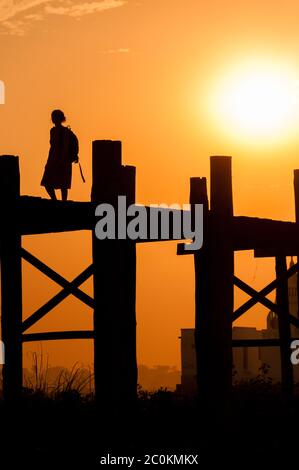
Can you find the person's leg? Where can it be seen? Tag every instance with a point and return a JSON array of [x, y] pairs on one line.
[[51, 192], [64, 194]]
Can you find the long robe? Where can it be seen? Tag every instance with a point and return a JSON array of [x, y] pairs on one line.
[[58, 169]]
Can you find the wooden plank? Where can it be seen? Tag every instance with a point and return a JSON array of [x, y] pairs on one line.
[[11, 277], [38, 216], [267, 237], [281, 250], [282, 300], [57, 299], [57, 335], [251, 233]]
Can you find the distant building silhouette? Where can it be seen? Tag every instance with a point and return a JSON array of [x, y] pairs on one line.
[[246, 361]]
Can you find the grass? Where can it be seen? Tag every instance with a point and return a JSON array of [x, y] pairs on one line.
[[77, 381], [60, 423]]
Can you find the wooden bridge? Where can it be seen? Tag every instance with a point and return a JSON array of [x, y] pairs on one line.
[[114, 277]]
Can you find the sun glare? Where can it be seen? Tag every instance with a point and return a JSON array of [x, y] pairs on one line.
[[257, 101]]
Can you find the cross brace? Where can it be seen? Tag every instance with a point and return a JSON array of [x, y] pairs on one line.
[[260, 296], [68, 289]]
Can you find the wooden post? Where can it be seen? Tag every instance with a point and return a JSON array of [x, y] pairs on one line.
[[282, 300], [296, 193], [129, 353], [220, 292], [199, 195], [11, 277], [114, 286]]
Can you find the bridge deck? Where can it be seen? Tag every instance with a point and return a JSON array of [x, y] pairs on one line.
[[37, 216]]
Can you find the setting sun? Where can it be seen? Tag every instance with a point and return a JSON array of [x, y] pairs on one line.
[[257, 101]]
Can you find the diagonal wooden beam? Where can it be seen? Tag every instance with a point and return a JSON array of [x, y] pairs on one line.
[[265, 291], [259, 297], [61, 281], [293, 320], [57, 299], [254, 294]]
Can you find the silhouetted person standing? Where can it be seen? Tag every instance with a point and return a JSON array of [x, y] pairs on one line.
[[63, 152]]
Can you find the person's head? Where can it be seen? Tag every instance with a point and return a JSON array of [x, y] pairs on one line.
[[57, 116]]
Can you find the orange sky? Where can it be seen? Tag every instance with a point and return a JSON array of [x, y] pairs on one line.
[[142, 72]]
